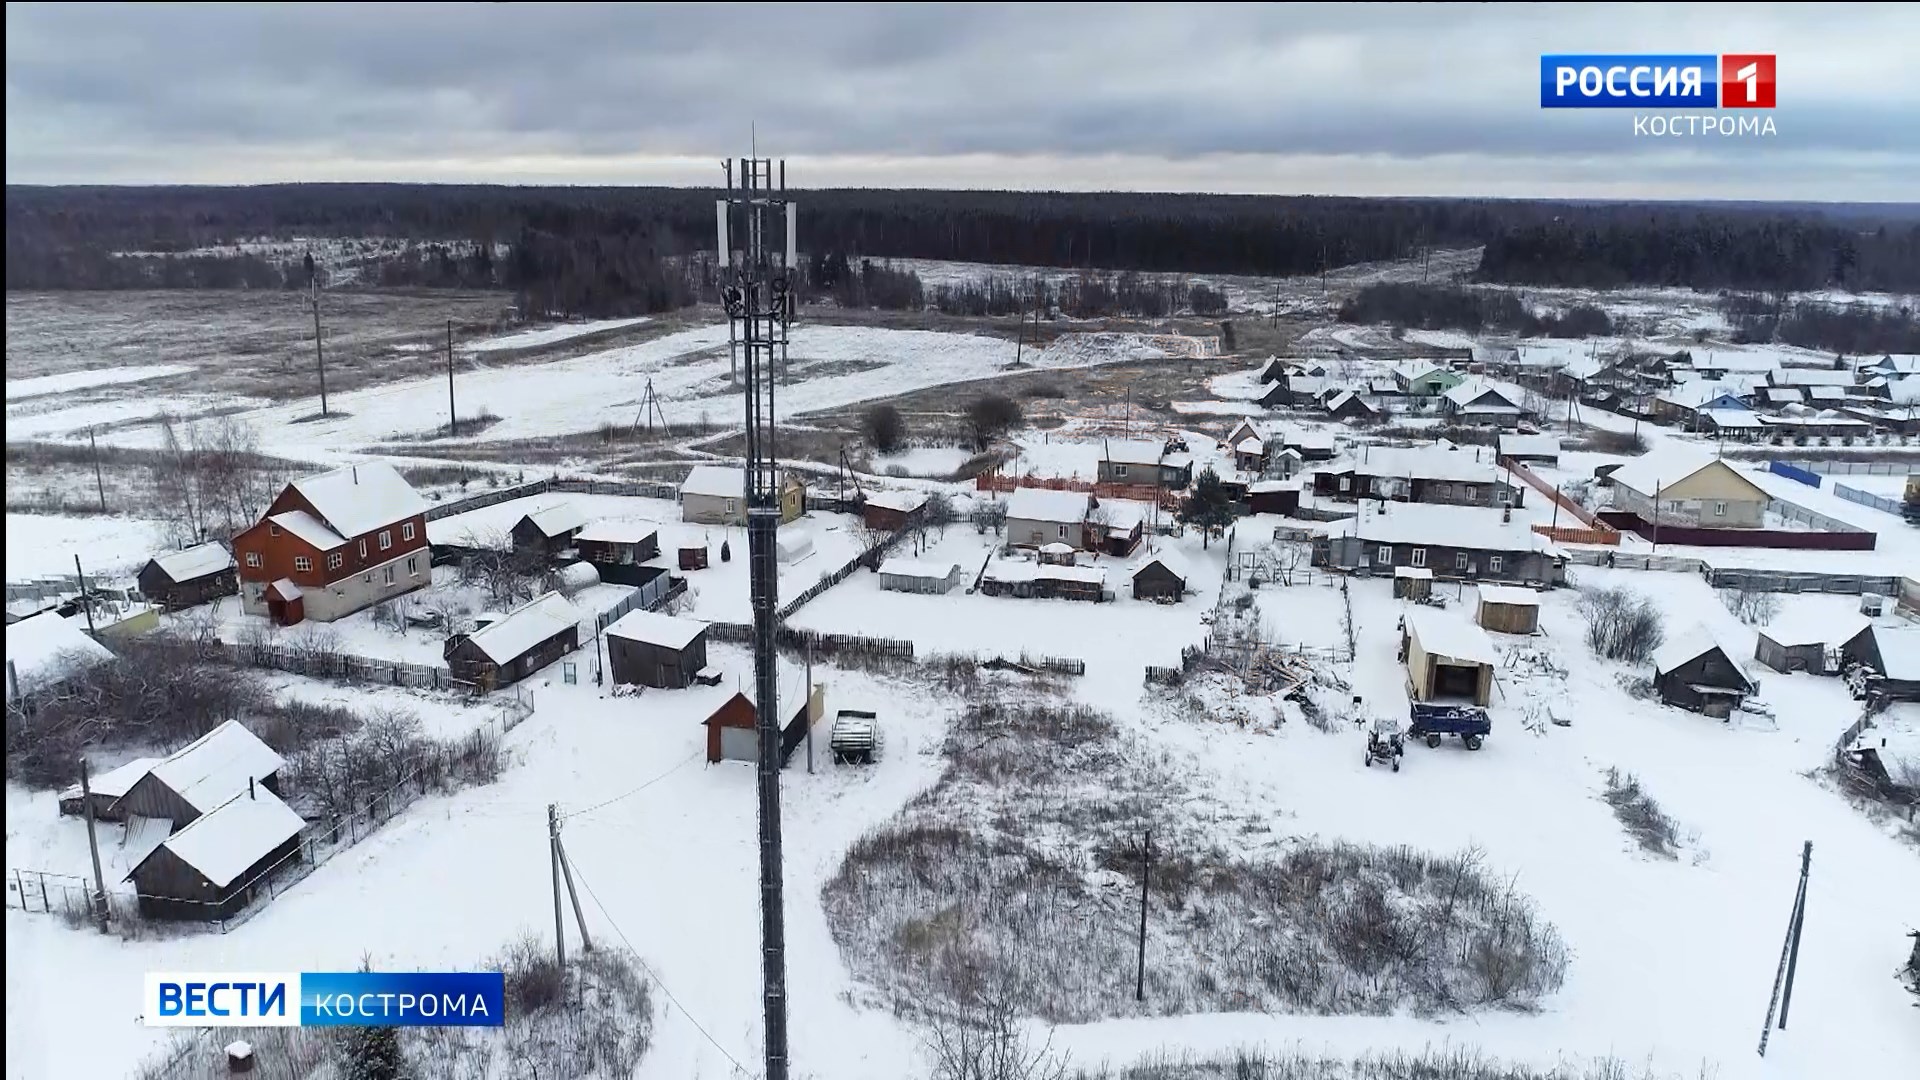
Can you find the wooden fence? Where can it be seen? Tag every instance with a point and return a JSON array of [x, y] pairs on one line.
[[812, 641], [1565, 535], [869, 557], [646, 489], [1001, 482], [1584, 515], [321, 664]]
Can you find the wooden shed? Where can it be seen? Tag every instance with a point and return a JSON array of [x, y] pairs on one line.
[[1694, 672], [1509, 609], [650, 649], [515, 646], [548, 531], [899, 574], [1447, 658], [732, 734], [1412, 582], [1161, 577], [1822, 646], [1274, 496], [1896, 656], [894, 510], [211, 868], [202, 775], [618, 548], [195, 575], [107, 789]]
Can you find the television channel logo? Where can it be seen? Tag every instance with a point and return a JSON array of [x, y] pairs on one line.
[[1657, 81], [325, 999]]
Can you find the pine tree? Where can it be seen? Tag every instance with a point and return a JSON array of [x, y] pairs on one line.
[[1209, 508], [373, 1053]]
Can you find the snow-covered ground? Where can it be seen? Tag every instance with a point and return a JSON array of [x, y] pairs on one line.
[[550, 335], [83, 380], [40, 544], [933, 461]]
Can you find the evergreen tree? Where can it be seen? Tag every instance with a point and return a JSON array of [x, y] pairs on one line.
[[373, 1053], [1209, 508]]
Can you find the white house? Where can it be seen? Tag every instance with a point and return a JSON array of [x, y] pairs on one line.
[[1038, 516]]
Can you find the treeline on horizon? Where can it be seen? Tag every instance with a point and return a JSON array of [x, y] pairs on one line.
[[587, 251]]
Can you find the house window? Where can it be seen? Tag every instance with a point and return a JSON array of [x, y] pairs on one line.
[[1063, 531], [1346, 483], [1719, 509], [386, 539], [363, 547], [1446, 491], [729, 506], [1493, 564], [1467, 493], [1419, 556], [1673, 507], [302, 564], [413, 565], [1386, 554], [253, 559], [273, 530], [389, 573], [1119, 470], [1460, 560], [334, 559], [406, 531]]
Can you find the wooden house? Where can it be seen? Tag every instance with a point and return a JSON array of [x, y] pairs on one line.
[[203, 774], [211, 869], [1162, 576], [45, 651], [649, 649], [107, 789], [1116, 526], [1274, 497], [619, 548], [1144, 462], [332, 544], [1037, 516], [549, 531], [1481, 403], [515, 646], [1412, 583], [714, 495], [1310, 445], [1681, 485], [1694, 672], [1454, 477], [1037, 580], [1250, 455], [1895, 654], [1508, 609], [1459, 542], [1424, 378], [1530, 449], [1447, 658], [1349, 406], [1821, 646], [195, 575], [894, 510], [900, 574]]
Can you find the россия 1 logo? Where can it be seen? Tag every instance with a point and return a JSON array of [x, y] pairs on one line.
[[1665, 82]]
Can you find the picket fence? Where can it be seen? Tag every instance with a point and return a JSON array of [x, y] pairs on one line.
[[333, 665]]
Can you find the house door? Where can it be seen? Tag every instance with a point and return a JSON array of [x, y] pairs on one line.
[[285, 612]]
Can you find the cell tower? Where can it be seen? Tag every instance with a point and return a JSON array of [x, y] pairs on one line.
[[756, 286]]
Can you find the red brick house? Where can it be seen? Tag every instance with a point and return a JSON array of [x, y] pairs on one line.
[[332, 544]]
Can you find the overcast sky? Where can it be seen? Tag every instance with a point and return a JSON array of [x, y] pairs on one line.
[[1367, 100]]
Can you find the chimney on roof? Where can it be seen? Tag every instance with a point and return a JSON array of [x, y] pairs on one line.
[[250, 793]]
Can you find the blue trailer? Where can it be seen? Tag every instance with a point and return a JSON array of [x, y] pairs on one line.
[[1432, 722]]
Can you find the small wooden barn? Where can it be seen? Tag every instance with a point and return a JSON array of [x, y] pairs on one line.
[[732, 734], [894, 510], [1896, 656], [211, 869], [45, 651], [1347, 405], [646, 648], [548, 531], [1822, 646], [202, 775], [618, 548], [1412, 582], [195, 575], [1447, 658], [107, 789], [1161, 577], [1694, 672], [518, 644], [1509, 609], [899, 574], [1274, 496]]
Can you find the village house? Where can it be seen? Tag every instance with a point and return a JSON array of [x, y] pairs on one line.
[[1295, 389], [1145, 462], [43, 652], [1729, 423], [1043, 579], [646, 648], [1037, 516], [1508, 609], [1347, 405], [1447, 658], [1779, 397], [1531, 449], [1452, 541], [333, 544], [1683, 404], [1693, 672], [211, 868], [1116, 526], [1274, 497], [516, 645], [1895, 654], [1250, 455], [1458, 477], [1810, 377], [716, 495], [901, 574], [1481, 403], [1242, 428], [618, 548], [1680, 485], [548, 532], [1162, 576], [195, 575], [893, 511], [1424, 378], [201, 775], [107, 788], [1820, 646], [1310, 445]]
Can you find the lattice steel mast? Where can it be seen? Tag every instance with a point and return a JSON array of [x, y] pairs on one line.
[[756, 262]]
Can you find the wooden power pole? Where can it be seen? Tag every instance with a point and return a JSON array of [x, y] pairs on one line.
[[453, 418], [319, 355], [1146, 874], [98, 901], [99, 485]]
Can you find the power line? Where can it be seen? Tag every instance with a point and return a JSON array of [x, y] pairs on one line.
[[655, 976], [635, 791]]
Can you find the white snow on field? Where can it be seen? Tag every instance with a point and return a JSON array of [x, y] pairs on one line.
[[1239, 385], [82, 380], [1217, 408], [1442, 339], [550, 335], [48, 418], [38, 544], [934, 461]]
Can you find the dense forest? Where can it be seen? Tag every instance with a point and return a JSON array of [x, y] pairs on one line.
[[1443, 307], [614, 250]]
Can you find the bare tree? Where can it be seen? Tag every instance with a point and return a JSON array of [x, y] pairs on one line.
[[982, 1040], [1752, 606], [173, 481], [1621, 624]]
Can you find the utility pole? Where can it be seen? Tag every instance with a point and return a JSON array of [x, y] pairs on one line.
[[98, 901], [1146, 872], [579, 919], [553, 853], [99, 485], [86, 601], [453, 418], [1126, 423], [809, 708], [319, 355], [1789, 952]]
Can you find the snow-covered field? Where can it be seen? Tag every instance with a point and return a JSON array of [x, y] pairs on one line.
[[551, 335], [82, 380], [39, 544], [931, 461]]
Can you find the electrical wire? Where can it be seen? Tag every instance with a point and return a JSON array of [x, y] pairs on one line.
[[655, 976], [635, 791]]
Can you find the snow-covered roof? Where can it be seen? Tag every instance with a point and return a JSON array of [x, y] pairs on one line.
[[1123, 514], [1530, 445], [1811, 377], [618, 531], [905, 502], [1905, 391], [1905, 363], [1416, 573], [653, 628], [1692, 395], [1827, 393], [285, 589], [1419, 369], [1467, 393], [1057, 548], [1045, 504], [1669, 465], [918, 568], [1694, 642], [557, 520], [1263, 487], [1311, 385], [1250, 445], [1451, 637], [308, 528], [210, 769], [1426, 463], [44, 649], [1511, 595], [1899, 652], [1737, 361], [359, 499], [1134, 451], [1812, 630], [525, 626], [1781, 395], [717, 481], [227, 839], [1339, 401], [1170, 559], [195, 562], [115, 782], [1022, 570], [1472, 527], [1309, 440], [1734, 418]]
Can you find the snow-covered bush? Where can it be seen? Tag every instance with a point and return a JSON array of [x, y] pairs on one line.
[[1640, 815]]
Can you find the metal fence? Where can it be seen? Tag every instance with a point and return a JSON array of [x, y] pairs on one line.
[[1860, 468], [1746, 577], [1794, 473], [1811, 518], [1868, 498]]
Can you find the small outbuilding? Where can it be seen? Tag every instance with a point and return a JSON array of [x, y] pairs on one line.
[[1896, 656], [548, 531], [899, 574], [1347, 405], [732, 731], [1162, 577], [1821, 646], [212, 868], [1412, 582], [46, 650], [617, 548], [1509, 609], [894, 510], [107, 789], [1275, 496], [201, 775], [1531, 449], [1694, 672], [515, 646], [650, 649], [195, 575], [1447, 658]]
